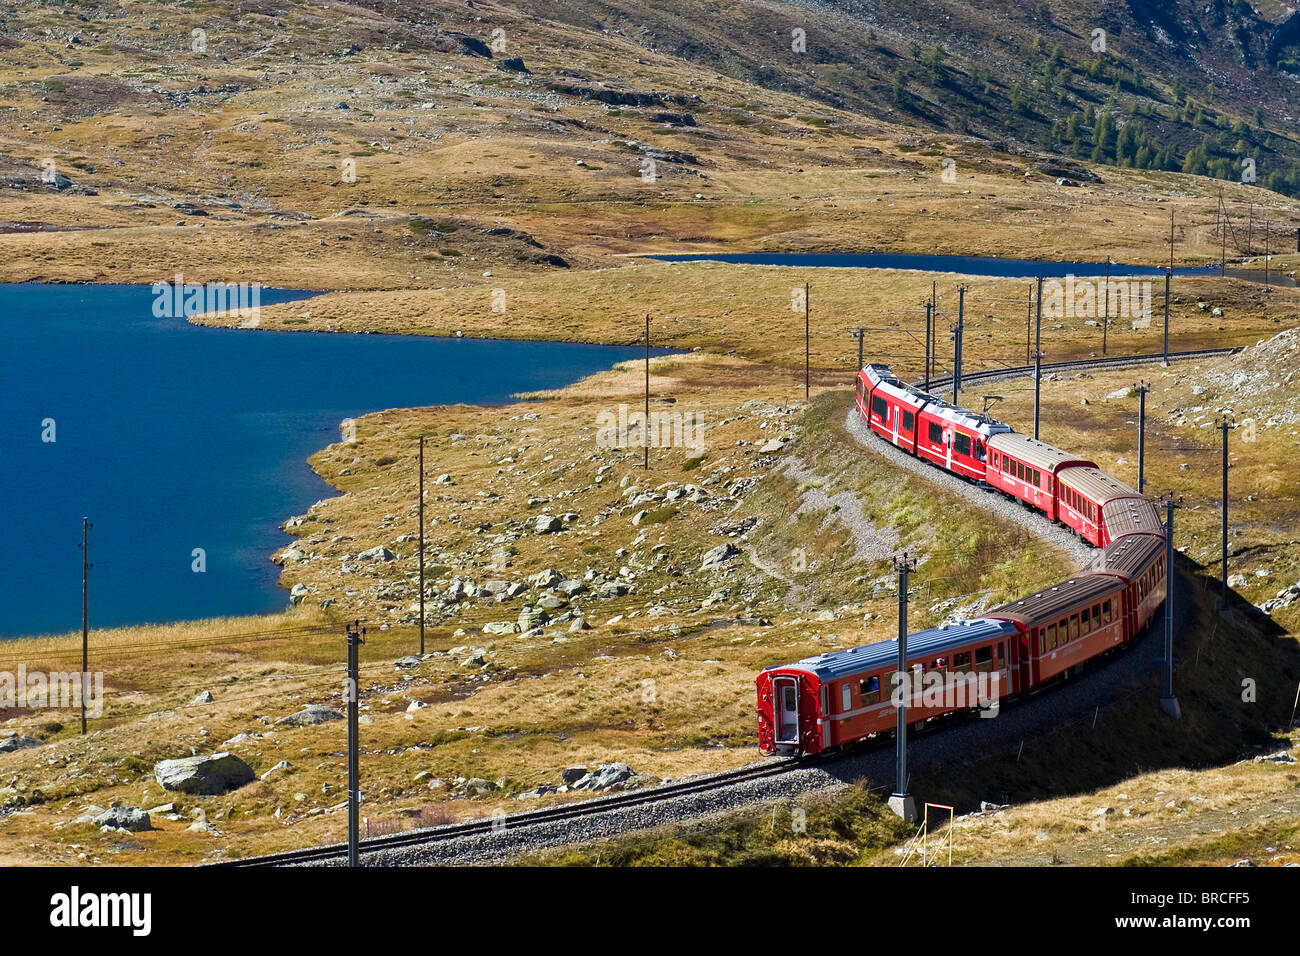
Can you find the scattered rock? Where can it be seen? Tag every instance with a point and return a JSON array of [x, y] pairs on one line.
[[716, 557], [377, 553], [311, 715], [204, 698], [608, 776], [282, 765], [124, 818]]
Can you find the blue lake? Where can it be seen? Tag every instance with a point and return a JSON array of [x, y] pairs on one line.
[[964, 265], [171, 437]]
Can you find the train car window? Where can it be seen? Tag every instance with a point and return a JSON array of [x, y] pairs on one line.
[[940, 663], [1049, 637], [1105, 611], [1006, 464], [860, 389], [1038, 477], [961, 444], [936, 433], [1002, 654], [980, 454], [908, 421], [1074, 627], [846, 697], [983, 658], [961, 660], [1085, 620], [1096, 615], [869, 690], [879, 408]]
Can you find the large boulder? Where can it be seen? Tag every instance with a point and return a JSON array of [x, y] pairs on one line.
[[548, 524], [311, 715], [205, 775]]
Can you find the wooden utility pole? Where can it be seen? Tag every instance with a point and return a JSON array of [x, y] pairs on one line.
[[1169, 275], [1268, 223], [420, 547], [85, 614], [1105, 322], [807, 345], [858, 333], [929, 317], [645, 429]]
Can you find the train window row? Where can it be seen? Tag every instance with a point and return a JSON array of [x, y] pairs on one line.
[[1079, 503], [1147, 582], [987, 658], [1018, 469], [1078, 625]]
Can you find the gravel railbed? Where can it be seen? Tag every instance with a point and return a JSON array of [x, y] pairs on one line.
[[985, 498]]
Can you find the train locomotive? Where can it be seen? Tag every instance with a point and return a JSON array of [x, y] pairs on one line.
[[837, 699]]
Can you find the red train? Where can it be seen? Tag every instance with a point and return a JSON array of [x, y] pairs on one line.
[[840, 698]]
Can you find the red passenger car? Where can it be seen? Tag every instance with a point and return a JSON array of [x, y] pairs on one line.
[[1027, 468], [1067, 624], [890, 407], [835, 699], [1139, 561], [1082, 497]]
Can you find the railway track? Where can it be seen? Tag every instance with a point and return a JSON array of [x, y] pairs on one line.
[[567, 812], [1118, 361], [594, 807]]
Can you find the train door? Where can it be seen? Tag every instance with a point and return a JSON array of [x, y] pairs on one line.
[[785, 691]]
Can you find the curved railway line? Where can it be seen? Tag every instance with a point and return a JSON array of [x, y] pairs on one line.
[[494, 838]]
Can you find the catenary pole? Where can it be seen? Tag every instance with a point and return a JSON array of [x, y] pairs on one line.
[[1168, 702], [420, 547], [1038, 354], [1142, 389], [356, 637], [901, 802]]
